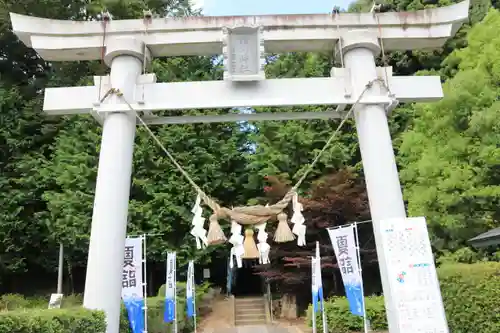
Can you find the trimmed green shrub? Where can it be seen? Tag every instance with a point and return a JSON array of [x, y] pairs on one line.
[[31, 314], [156, 307], [70, 301], [52, 321], [471, 296], [9, 302], [340, 319], [205, 294]]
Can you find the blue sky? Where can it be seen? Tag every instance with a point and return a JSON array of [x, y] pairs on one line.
[[261, 7]]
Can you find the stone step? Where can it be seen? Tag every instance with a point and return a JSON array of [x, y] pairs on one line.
[[248, 322], [256, 329], [251, 315], [249, 306], [249, 311], [259, 310], [249, 300]]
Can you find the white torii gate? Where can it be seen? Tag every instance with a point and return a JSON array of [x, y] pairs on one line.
[[129, 44]]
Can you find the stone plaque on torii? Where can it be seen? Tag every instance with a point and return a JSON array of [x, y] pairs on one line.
[[356, 37]]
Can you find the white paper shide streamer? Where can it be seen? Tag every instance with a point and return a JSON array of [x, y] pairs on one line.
[[198, 231], [236, 240], [298, 220], [263, 246]]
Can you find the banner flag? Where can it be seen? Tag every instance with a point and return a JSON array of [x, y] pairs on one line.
[[190, 293], [318, 277], [170, 289], [316, 282], [132, 284], [344, 245]]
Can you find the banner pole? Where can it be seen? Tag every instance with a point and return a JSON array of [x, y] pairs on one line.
[[145, 284], [323, 312], [194, 301], [358, 257], [175, 294], [313, 298]]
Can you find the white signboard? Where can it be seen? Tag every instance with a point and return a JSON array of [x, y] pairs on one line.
[[412, 276], [55, 301], [244, 52], [132, 269]]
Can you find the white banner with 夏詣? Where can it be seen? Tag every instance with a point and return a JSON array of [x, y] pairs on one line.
[[132, 283], [344, 244], [170, 314]]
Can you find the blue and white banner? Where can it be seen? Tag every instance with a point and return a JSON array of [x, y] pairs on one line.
[[132, 286], [170, 289], [317, 283], [346, 251], [190, 293]]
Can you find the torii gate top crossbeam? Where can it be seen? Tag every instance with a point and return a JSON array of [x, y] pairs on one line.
[[58, 40]]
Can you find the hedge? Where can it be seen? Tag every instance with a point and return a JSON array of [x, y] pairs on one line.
[[52, 321], [9, 302], [471, 296], [29, 315]]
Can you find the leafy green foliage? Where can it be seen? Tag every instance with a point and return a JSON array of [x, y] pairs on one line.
[[340, 320], [450, 157], [49, 165], [156, 324], [470, 296], [24, 314], [285, 148], [54, 321], [156, 307]]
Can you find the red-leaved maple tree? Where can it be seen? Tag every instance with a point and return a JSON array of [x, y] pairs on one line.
[[336, 199]]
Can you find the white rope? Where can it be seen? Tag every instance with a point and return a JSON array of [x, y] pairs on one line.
[[188, 177], [341, 53], [384, 60], [330, 140]]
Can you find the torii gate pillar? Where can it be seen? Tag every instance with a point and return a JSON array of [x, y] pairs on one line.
[[109, 219], [379, 164]]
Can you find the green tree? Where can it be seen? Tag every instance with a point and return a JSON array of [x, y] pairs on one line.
[[49, 164], [286, 148], [411, 61], [451, 154]]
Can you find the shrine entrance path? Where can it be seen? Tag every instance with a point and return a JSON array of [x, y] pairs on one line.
[[219, 320], [254, 329]]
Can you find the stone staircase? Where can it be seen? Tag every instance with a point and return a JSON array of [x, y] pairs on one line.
[[249, 311]]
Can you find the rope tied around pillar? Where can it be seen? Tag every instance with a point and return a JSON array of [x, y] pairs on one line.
[[245, 215]]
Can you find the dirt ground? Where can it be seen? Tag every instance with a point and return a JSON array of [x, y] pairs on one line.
[[294, 326], [221, 318]]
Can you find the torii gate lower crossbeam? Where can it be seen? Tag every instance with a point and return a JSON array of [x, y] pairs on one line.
[[150, 96]]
